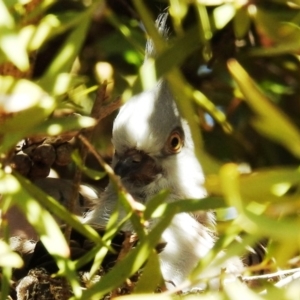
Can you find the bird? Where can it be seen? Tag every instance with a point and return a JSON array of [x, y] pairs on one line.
[[154, 151]]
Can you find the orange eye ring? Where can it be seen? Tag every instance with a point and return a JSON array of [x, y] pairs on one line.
[[174, 142]]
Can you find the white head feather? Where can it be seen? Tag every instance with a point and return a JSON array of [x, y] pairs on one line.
[[144, 123]]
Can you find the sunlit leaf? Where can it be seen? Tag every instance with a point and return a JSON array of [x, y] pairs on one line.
[[283, 228], [184, 99], [287, 24], [241, 22], [23, 105], [178, 10], [38, 216], [9, 258], [37, 35], [269, 120], [234, 289], [131, 263], [153, 204], [66, 56], [20, 95], [262, 185], [58, 210], [96, 175], [57, 126], [10, 42], [151, 277], [223, 14]]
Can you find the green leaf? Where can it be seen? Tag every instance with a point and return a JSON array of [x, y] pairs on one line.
[[263, 185], [178, 10], [151, 277], [277, 229], [216, 259], [269, 120], [223, 14], [38, 217], [279, 26], [153, 204], [10, 43], [179, 50], [131, 263], [112, 228], [59, 210], [235, 289], [19, 96], [186, 205], [284, 48], [35, 36], [96, 175], [57, 126], [23, 105], [157, 296], [184, 98], [241, 22], [67, 54], [9, 258]]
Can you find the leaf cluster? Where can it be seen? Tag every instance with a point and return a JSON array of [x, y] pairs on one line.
[[234, 69]]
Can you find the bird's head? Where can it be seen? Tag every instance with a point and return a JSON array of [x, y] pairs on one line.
[[154, 149]]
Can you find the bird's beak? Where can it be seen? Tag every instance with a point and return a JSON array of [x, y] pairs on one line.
[[136, 166]]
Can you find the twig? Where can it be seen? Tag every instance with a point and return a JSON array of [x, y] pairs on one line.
[[271, 275], [99, 111], [128, 243], [285, 281]]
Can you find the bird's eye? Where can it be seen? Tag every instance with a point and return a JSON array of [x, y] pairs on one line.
[[174, 143]]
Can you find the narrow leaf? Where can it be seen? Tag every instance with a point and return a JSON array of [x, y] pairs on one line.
[[59, 211], [64, 60], [151, 277], [131, 263], [269, 121]]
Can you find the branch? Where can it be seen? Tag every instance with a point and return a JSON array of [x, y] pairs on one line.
[[271, 275], [99, 111]]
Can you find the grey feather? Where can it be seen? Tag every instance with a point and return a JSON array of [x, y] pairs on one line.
[[161, 24]]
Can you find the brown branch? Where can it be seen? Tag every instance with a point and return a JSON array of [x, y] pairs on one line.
[[294, 274], [271, 275], [127, 245], [110, 108], [88, 133]]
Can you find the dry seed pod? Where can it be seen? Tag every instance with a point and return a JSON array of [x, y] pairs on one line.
[[63, 154], [60, 139], [35, 140], [22, 163], [39, 170], [29, 150], [44, 154], [53, 140]]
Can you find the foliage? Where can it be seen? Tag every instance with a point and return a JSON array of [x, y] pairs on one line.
[[234, 68]]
